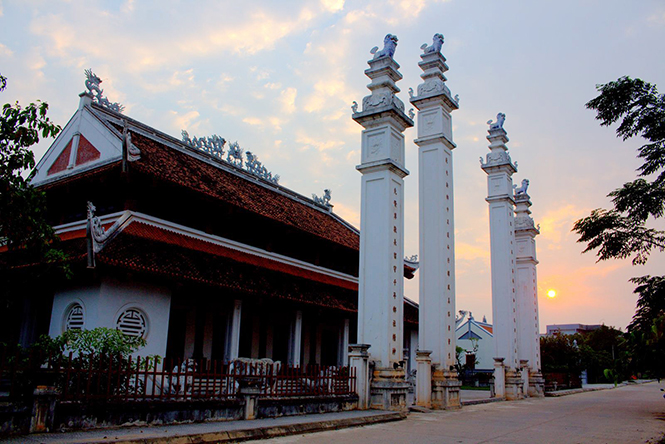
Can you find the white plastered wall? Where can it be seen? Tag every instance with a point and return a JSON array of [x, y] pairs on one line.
[[104, 302]]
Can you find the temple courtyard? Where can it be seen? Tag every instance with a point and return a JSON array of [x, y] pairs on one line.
[[630, 414], [627, 414]]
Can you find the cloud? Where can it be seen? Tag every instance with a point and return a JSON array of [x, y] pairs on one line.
[[319, 144], [255, 121], [657, 19], [333, 5], [184, 121], [555, 225], [288, 100], [347, 213], [4, 51]]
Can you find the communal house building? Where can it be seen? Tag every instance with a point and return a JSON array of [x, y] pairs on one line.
[[193, 245]]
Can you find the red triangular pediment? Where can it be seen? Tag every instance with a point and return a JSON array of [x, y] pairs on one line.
[[86, 152], [62, 161]]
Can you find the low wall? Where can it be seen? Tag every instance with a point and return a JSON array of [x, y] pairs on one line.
[[15, 419], [272, 408], [79, 415]]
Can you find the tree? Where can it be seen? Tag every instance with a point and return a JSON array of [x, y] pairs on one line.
[[623, 232], [24, 232]]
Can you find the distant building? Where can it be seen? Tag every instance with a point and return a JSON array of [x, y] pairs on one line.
[[570, 329], [471, 334]]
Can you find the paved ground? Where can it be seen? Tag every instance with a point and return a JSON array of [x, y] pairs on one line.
[[631, 414]]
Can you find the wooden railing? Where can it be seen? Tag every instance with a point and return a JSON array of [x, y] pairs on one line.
[[112, 378]]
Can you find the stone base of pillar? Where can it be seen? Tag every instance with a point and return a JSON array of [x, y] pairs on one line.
[[424, 378], [536, 385], [445, 389], [388, 389], [513, 385]]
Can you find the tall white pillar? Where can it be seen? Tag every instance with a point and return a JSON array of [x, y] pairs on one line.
[[343, 355], [437, 223], [500, 168], [295, 344], [381, 280], [528, 340], [233, 332]]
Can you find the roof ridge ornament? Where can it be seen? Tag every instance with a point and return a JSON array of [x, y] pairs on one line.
[[92, 83], [324, 200], [214, 147]]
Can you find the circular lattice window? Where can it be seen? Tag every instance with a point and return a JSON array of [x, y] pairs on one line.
[[133, 323], [74, 320]]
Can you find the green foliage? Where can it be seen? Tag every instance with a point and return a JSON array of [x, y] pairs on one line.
[[561, 354], [30, 240], [623, 232]]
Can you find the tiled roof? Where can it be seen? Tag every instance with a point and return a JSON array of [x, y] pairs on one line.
[[183, 169]]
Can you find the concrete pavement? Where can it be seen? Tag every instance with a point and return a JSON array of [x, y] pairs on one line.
[[629, 414]]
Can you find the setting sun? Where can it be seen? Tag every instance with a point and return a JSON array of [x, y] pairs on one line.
[[551, 293]]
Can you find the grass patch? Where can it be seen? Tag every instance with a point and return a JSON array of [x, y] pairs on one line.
[[473, 387]]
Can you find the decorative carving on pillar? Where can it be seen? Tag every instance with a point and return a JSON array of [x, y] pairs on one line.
[[522, 189], [437, 43], [93, 84], [389, 46], [500, 118]]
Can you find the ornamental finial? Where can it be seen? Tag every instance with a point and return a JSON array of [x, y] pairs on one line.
[[92, 83], [500, 118], [521, 190], [389, 46], [437, 43]]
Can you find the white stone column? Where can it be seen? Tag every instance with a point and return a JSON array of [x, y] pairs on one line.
[[424, 378], [359, 361], [528, 339], [500, 168], [343, 358], [499, 378], [233, 333], [437, 223], [381, 280], [295, 344]]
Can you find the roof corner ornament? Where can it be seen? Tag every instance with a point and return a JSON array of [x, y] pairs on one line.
[[324, 200], [354, 107], [412, 114], [437, 43], [389, 46], [92, 83], [500, 118], [97, 236], [130, 152]]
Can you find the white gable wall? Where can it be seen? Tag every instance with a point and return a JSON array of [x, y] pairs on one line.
[[104, 140]]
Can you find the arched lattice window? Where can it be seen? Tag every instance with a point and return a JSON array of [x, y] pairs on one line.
[[133, 322], [75, 319]]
